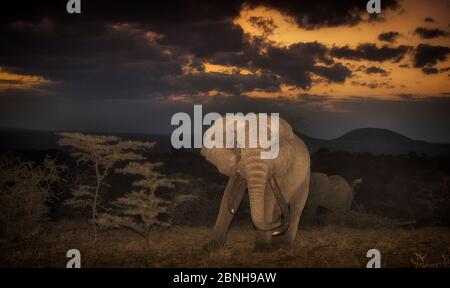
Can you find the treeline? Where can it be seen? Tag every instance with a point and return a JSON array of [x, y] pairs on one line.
[[402, 187]]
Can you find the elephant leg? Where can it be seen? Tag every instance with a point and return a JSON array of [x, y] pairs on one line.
[[297, 205], [297, 208], [263, 240], [309, 216], [234, 193], [285, 211]]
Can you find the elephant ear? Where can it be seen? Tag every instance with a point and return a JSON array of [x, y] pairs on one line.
[[286, 153], [284, 159], [286, 132], [223, 158]]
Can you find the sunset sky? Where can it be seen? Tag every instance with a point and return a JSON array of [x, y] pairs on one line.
[[326, 66]]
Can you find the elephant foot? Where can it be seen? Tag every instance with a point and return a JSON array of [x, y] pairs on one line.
[[212, 245]]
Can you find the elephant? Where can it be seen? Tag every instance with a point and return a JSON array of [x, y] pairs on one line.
[[277, 188], [331, 192]]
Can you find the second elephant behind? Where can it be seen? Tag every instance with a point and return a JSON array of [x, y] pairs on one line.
[[331, 192]]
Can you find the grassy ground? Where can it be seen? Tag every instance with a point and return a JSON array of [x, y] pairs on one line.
[[330, 246]]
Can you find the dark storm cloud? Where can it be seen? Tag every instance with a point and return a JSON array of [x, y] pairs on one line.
[[170, 11], [433, 70], [308, 14], [137, 50], [205, 38], [87, 60], [323, 13], [375, 85], [114, 60], [234, 84], [267, 25], [202, 27], [426, 33], [96, 54], [430, 70], [312, 98], [337, 73], [293, 63], [376, 70], [390, 37], [370, 51], [429, 55]]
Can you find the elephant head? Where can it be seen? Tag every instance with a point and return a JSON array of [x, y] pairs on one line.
[[257, 172]]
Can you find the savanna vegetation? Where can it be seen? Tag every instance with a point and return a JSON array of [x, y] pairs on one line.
[[123, 205]]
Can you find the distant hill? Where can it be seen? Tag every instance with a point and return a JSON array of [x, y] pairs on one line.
[[372, 140], [376, 141]]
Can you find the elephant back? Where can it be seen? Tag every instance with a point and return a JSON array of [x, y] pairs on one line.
[[319, 185], [339, 194]]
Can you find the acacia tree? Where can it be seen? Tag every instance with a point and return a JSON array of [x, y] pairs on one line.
[[138, 210], [102, 154], [25, 190]]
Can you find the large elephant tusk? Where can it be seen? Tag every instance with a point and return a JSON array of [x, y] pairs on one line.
[[283, 205], [236, 192]]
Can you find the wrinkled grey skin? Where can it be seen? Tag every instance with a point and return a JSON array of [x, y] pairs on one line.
[[333, 193], [246, 169]]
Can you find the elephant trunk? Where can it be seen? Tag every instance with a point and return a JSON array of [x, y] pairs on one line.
[[257, 173]]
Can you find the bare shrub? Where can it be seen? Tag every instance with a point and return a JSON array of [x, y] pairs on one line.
[[25, 191]]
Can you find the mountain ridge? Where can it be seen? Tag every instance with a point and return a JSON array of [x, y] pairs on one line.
[[376, 141]]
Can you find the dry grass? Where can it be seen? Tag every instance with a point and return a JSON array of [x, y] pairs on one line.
[[329, 246], [355, 219]]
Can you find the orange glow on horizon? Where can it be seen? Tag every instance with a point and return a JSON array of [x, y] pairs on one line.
[[19, 81]]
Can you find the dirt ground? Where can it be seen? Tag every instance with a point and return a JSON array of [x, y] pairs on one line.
[[329, 246]]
